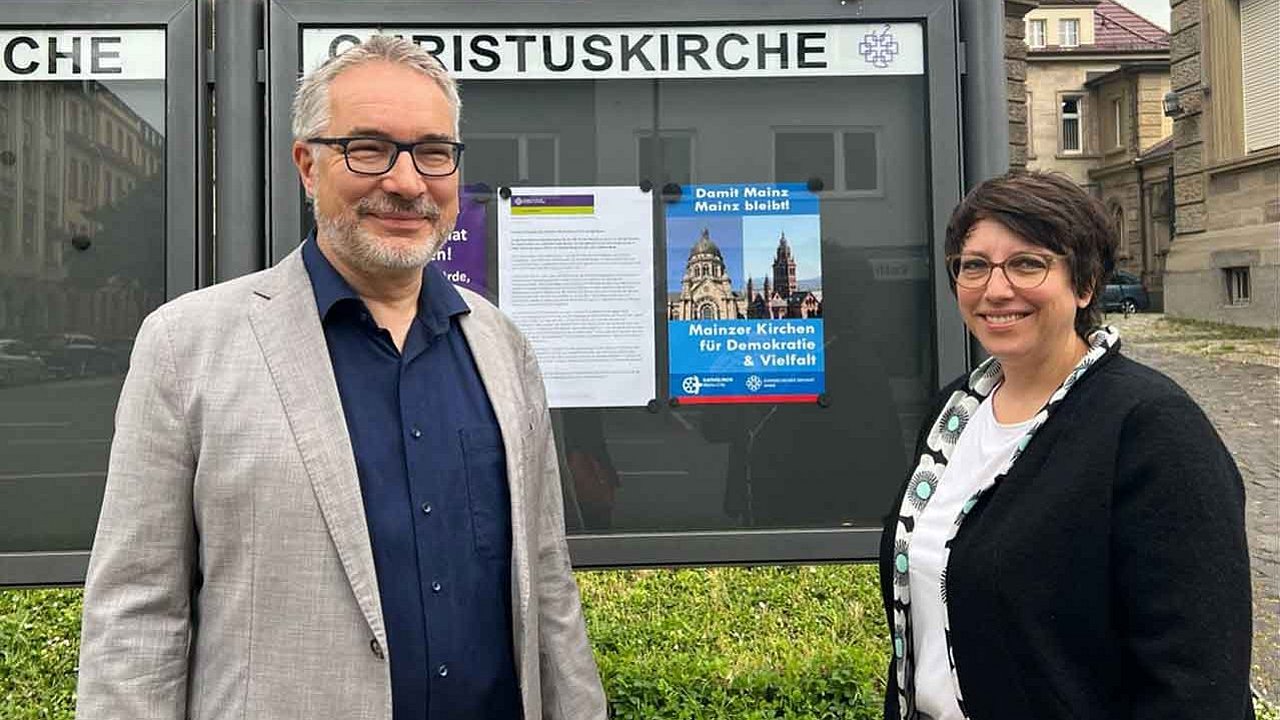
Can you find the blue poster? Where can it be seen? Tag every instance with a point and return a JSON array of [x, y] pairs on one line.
[[744, 294]]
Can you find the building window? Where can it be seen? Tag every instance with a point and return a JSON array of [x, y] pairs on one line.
[[499, 159], [6, 224], [1069, 32], [1237, 285], [676, 149], [1117, 122], [51, 112], [1117, 227], [28, 150], [52, 181], [1031, 128], [1260, 66], [1035, 33], [842, 160], [1161, 200], [28, 228], [1070, 132]]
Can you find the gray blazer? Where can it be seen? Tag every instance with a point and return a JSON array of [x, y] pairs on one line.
[[232, 575]]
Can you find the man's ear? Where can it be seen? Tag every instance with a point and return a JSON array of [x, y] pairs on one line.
[[305, 163]]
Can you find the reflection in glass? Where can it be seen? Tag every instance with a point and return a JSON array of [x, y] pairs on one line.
[[81, 263], [516, 158], [492, 160], [750, 466], [677, 158], [800, 156], [860, 161]]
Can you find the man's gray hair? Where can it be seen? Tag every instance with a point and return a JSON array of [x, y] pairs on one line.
[[311, 103]]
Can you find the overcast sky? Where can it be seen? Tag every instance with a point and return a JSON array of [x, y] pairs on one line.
[[1157, 11]]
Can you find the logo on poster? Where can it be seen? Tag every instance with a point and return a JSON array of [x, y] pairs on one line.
[[754, 383], [691, 385]]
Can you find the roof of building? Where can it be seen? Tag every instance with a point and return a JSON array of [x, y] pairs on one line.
[[1094, 79], [1115, 25], [704, 245], [1160, 149], [1116, 29]]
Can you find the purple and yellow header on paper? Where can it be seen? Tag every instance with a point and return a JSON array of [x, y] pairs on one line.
[[555, 205]]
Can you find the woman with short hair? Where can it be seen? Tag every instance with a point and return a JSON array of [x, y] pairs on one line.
[[1071, 543]]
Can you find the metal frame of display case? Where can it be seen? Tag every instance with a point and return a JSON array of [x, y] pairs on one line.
[[261, 206], [286, 19]]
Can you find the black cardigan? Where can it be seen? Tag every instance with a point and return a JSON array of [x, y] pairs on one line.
[[1107, 576]]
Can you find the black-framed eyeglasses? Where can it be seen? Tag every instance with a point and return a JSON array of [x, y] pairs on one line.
[[1025, 270], [375, 156]]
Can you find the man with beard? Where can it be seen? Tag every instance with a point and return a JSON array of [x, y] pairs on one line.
[[333, 490]]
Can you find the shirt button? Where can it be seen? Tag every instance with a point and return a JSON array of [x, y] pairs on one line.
[[376, 647], [426, 508], [443, 670], [436, 586], [415, 433]]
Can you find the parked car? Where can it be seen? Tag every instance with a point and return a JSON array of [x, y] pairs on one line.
[[122, 349], [19, 363], [77, 355], [1124, 292]]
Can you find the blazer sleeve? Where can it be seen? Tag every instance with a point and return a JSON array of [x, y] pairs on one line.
[[571, 688], [137, 601], [1182, 566]]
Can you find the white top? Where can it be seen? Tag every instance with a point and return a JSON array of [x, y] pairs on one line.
[[983, 448]]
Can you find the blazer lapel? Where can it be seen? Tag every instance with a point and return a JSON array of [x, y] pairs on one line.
[[287, 324]]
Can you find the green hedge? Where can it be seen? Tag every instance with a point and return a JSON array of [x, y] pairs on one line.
[[797, 642], [740, 643], [708, 644]]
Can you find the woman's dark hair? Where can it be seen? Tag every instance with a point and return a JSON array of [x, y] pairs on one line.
[[1052, 211]]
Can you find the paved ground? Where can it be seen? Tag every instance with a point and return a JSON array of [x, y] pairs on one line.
[[1235, 377]]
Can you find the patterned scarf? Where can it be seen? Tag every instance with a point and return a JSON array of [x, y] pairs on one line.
[[930, 471]]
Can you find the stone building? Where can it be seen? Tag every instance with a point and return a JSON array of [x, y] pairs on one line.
[[782, 296], [1132, 174], [1224, 263], [77, 166], [1096, 74], [1015, 73], [706, 290], [1071, 128]]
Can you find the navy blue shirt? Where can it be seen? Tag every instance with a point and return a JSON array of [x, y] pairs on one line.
[[434, 479]]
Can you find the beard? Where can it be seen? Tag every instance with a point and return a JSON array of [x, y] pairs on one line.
[[366, 251]]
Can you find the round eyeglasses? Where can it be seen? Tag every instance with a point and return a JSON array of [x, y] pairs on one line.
[[375, 156], [1025, 271]]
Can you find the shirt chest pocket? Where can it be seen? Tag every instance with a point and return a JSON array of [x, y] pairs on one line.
[[484, 460]]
